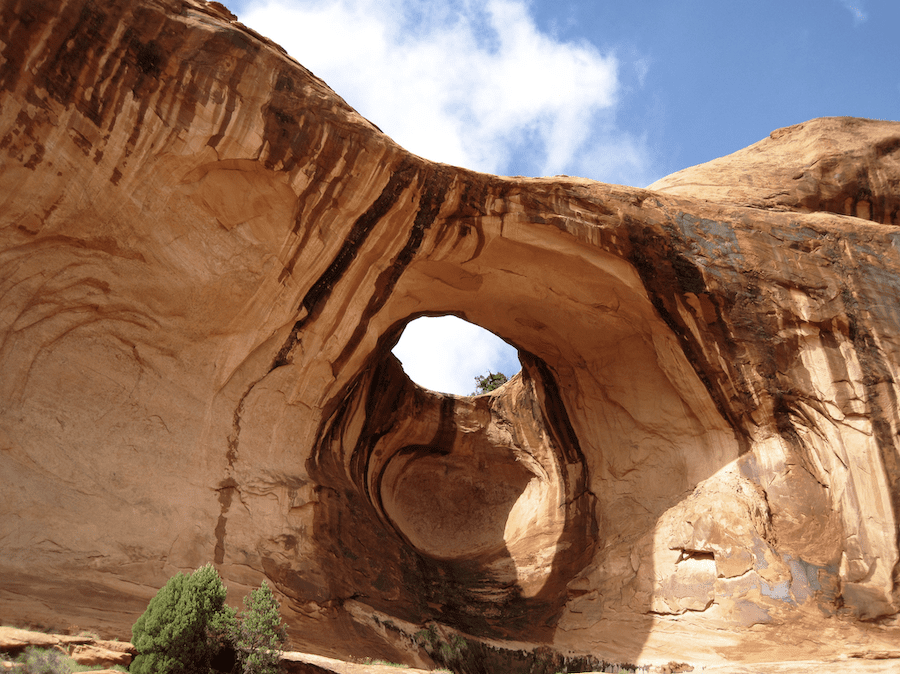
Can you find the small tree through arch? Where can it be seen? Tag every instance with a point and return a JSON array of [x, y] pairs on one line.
[[444, 353], [489, 382]]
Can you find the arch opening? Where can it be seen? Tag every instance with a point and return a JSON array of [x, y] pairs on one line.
[[477, 491], [446, 353]]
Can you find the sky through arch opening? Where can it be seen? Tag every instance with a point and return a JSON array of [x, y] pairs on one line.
[[446, 353]]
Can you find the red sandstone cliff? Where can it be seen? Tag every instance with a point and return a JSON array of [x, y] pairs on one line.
[[206, 257]]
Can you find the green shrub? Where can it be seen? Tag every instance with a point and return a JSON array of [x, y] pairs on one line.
[[36, 660], [382, 663], [184, 626], [188, 629], [259, 635], [489, 382], [45, 661]]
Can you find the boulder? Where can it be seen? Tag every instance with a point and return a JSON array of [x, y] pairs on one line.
[[102, 654], [14, 640], [206, 257]]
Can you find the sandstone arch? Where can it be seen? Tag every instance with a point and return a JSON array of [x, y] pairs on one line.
[[206, 261]]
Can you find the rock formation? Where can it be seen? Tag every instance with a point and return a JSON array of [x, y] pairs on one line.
[[84, 649], [206, 257]]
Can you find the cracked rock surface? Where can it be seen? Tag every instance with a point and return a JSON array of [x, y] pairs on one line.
[[206, 257]]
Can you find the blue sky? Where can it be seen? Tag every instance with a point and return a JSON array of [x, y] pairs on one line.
[[623, 92]]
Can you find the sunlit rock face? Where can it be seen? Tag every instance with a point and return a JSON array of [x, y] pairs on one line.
[[206, 258]]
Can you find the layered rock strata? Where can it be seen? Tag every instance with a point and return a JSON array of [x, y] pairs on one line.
[[206, 257], [85, 650]]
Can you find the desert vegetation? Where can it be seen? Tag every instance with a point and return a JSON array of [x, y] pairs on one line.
[[188, 629], [489, 382], [51, 661]]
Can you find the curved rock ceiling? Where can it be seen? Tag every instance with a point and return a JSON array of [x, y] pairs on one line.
[[206, 258]]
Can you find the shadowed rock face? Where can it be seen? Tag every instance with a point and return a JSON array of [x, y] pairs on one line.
[[206, 257]]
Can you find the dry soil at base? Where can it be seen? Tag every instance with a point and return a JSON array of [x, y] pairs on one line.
[[306, 663], [303, 663]]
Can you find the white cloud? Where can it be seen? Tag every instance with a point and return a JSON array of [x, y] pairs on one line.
[[446, 353], [857, 9], [468, 82], [473, 83]]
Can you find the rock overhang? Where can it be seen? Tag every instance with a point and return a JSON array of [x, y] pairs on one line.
[[701, 347]]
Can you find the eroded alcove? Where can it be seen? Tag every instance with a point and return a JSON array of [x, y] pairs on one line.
[[499, 513], [224, 309], [486, 507], [472, 491]]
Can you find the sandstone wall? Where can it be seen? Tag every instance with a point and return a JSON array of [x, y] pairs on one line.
[[206, 257]]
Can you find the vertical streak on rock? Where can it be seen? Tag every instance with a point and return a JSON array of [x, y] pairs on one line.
[[557, 421], [667, 274], [433, 194], [579, 501], [235, 436], [313, 300], [383, 397], [226, 494], [248, 47], [229, 483], [445, 433], [880, 395]]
